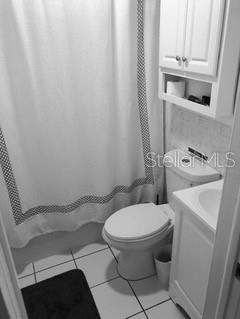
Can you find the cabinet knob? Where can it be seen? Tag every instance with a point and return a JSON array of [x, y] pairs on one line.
[[178, 58], [184, 59]]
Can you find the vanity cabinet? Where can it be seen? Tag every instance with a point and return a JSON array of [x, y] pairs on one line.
[[191, 261], [190, 32]]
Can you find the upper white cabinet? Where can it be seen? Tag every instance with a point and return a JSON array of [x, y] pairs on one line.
[[190, 32], [199, 44], [173, 15]]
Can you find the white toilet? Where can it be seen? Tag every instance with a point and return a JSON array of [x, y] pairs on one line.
[[136, 230]]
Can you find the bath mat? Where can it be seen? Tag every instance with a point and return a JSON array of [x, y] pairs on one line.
[[66, 296]]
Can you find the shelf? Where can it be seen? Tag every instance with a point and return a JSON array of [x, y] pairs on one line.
[[179, 95], [192, 87], [192, 106]]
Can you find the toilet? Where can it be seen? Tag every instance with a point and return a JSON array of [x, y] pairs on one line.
[[138, 229]]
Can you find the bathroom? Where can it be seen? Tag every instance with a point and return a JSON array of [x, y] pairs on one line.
[[119, 155]]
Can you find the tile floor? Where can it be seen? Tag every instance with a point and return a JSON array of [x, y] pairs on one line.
[[115, 297]]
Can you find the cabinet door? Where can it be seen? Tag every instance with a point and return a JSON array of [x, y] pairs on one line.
[[194, 262], [191, 261], [203, 33], [172, 33]]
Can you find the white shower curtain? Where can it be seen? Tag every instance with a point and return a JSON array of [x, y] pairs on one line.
[[78, 111]]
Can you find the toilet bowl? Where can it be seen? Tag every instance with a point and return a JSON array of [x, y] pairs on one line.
[[136, 230]]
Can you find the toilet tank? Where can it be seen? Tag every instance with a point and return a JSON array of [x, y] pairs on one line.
[[184, 170]]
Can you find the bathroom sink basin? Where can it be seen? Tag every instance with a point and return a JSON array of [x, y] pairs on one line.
[[203, 201], [210, 200]]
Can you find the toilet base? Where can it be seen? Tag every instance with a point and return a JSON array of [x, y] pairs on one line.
[[135, 265]]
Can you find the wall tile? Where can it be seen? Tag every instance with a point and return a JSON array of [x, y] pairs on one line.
[[185, 128]]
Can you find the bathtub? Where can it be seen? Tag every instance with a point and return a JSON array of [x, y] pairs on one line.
[[55, 243]]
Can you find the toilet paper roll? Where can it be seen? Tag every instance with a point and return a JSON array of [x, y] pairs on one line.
[[176, 88]]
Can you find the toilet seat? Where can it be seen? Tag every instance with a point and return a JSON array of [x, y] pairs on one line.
[[137, 222]]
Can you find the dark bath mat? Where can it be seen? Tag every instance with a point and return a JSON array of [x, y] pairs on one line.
[[66, 296]]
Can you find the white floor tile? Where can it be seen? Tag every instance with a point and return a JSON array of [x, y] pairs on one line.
[[52, 261], [149, 291], [26, 281], [98, 267], [25, 271], [51, 272], [166, 310], [88, 249], [115, 299]]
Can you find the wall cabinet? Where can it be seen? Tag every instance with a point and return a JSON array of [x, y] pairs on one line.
[[190, 32], [173, 14]]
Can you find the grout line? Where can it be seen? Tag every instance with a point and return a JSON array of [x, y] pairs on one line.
[[94, 252], [34, 272], [74, 259], [65, 262], [20, 277], [158, 304], [96, 284], [104, 282], [113, 254], [137, 298], [172, 300], [135, 314]]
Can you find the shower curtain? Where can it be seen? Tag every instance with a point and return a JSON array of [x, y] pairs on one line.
[[79, 114]]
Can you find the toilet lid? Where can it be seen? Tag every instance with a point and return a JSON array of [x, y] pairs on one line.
[[136, 222]]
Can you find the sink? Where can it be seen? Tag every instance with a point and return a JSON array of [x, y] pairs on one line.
[[210, 200], [203, 201]]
